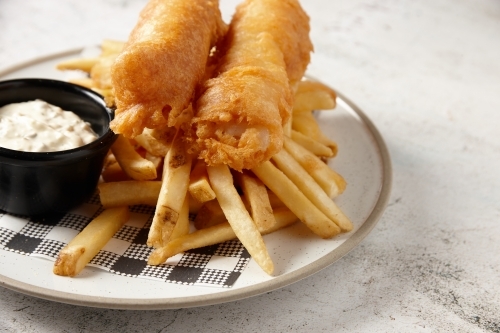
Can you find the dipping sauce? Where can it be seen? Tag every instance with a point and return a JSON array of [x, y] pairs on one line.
[[38, 126]]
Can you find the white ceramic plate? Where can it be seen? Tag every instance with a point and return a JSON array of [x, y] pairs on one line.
[[363, 160]]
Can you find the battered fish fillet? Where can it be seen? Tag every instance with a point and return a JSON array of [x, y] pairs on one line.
[[287, 22], [240, 113], [154, 78]]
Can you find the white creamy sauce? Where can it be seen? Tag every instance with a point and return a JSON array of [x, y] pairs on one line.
[[37, 126]]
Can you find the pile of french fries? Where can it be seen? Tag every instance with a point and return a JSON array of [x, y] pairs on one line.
[[155, 169]]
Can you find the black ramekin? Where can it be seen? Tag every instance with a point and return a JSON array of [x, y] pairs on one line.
[[38, 184]]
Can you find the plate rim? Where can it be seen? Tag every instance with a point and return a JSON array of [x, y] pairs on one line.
[[227, 295]]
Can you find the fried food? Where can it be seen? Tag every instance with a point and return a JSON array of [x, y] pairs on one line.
[[83, 248], [295, 200], [313, 95], [165, 57], [174, 187], [83, 64], [207, 111], [240, 113], [238, 217], [314, 146], [129, 193], [330, 181], [213, 235], [257, 199], [287, 22], [133, 164], [306, 183], [199, 185]]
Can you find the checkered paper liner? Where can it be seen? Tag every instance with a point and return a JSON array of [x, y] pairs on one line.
[[126, 253]]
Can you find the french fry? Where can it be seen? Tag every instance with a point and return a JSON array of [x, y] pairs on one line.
[[156, 160], [109, 46], [295, 200], [219, 233], [308, 85], [284, 217], [314, 146], [238, 216], [331, 182], [84, 82], [199, 186], [109, 159], [182, 226], [306, 124], [212, 235], [274, 200], [154, 146], [107, 94], [194, 205], [113, 173], [305, 182], [82, 64], [129, 193], [101, 71], [131, 162], [209, 214], [255, 193], [175, 182], [312, 100], [80, 251]]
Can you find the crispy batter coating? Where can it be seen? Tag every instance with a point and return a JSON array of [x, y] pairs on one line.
[[240, 113], [154, 78], [287, 22]]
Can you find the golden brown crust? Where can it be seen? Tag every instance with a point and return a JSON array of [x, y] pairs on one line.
[[288, 23], [240, 112], [154, 78]]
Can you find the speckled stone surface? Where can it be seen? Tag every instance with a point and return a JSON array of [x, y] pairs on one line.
[[428, 74]]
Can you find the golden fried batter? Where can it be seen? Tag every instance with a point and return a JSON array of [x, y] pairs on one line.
[[240, 113], [287, 22], [154, 78]]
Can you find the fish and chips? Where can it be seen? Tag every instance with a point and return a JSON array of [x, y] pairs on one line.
[[214, 120]]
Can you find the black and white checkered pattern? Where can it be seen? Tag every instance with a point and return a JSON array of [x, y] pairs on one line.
[[104, 259], [5, 236], [73, 221], [35, 230], [138, 251], [49, 248], [142, 209], [230, 248], [194, 260], [157, 272], [242, 263], [126, 253], [212, 276], [127, 233]]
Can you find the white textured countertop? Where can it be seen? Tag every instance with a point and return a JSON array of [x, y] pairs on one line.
[[428, 74]]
